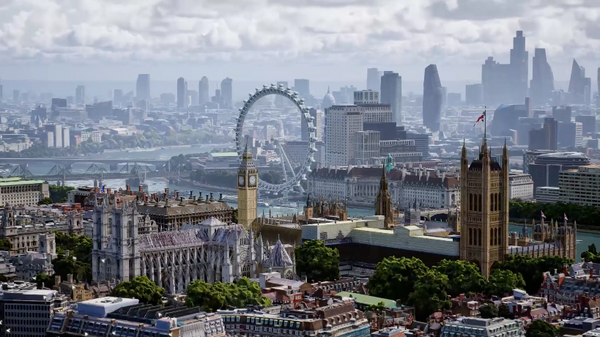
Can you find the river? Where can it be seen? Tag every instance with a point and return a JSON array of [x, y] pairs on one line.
[[157, 185]]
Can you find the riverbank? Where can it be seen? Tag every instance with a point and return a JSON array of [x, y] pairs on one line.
[[207, 186]]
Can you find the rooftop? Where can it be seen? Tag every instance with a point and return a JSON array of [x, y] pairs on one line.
[[368, 300], [18, 181]]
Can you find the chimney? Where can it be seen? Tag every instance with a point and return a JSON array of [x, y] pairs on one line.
[[57, 280], [141, 188], [127, 188], [70, 278], [176, 193], [166, 190]]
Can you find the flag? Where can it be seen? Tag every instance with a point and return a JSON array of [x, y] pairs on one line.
[[543, 215], [566, 219], [481, 118]]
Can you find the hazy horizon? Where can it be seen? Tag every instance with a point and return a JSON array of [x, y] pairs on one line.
[[322, 40]]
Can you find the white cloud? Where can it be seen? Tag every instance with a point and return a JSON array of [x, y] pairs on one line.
[[386, 32]]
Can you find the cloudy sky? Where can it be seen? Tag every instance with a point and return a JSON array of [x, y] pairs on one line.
[[286, 39]]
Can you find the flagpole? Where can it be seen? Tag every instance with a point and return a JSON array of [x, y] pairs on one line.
[[484, 123]]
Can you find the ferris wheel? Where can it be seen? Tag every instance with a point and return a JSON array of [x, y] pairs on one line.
[[293, 178]]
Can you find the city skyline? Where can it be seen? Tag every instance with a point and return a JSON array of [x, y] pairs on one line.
[[101, 41]]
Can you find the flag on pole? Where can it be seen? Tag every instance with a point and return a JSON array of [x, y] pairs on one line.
[[543, 215], [481, 118], [566, 219]]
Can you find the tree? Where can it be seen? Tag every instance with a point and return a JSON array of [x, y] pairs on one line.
[[142, 288], [58, 193], [540, 328], [212, 297], [395, 278], [5, 245], [429, 294], [532, 269], [463, 277], [43, 280], [502, 282], [234, 215], [317, 262], [488, 311], [65, 265], [45, 201]]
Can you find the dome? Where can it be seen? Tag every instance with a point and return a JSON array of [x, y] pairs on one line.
[[328, 100]]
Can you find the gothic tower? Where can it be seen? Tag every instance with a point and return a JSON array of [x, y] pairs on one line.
[[383, 203], [247, 190], [484, 210]]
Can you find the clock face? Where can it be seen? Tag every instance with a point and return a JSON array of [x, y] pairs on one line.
[[252, 180], [241, 180]]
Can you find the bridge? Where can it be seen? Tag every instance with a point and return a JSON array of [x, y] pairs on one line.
[[95, 172], [69, 161]]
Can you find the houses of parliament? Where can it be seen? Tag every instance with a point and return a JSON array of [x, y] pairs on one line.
[[484, 217]]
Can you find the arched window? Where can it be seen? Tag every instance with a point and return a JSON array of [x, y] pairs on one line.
[[479, 206]]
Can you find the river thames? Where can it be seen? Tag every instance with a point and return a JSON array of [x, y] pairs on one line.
[[157, 185]]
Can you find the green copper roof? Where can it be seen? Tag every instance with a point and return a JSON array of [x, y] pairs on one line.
[[18, 181], [368, 300]]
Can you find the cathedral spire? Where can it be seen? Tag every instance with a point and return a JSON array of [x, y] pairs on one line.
[[383, 203]]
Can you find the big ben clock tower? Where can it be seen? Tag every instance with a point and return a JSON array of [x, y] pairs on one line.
[[247, 189]]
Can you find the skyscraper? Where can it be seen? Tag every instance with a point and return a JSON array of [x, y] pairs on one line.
[[280, 101], [495, 78], [142, 87], [519, 63], [391, 93], [203, 91], [80, 95], [578, 84], [484, 193], [302, 86], [341, 124], [597, 97], [545, 138], [227, 93], [181, 93], [373, 79], [542, 82], [117, 96], [432, 98]]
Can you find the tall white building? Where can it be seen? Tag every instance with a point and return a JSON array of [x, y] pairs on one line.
[[341, 122], [66, 137], [580, 186], [372, 110], [521, 186]]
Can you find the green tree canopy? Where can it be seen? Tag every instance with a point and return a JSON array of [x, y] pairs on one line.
[[488, 311], [532, 269], [212, 297], [45, 201], [395, 278], [540, 328], [44, 280], [429, 294], [59, 193], [463, 277], [591, 255], [317, 261], [5, 245], [142, 288], [502, 282]]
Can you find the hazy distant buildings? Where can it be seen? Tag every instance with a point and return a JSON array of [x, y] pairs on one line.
[[432, 98], [328, 100], [542, 82], [519, 63], [227, 93], [142, 87], [570, 135], [167, 99], [373, 79], [579, 85], [117, 96], [193, 97], [506, 118], [80, 95], [181, 93], [391, 93], [495, 78], [203, 91], [454, 99], [280, 101], [597, 97], [545, 138], [562, 113], [302, 86]]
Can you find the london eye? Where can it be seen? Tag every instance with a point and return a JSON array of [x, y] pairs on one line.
[[292, 176]]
